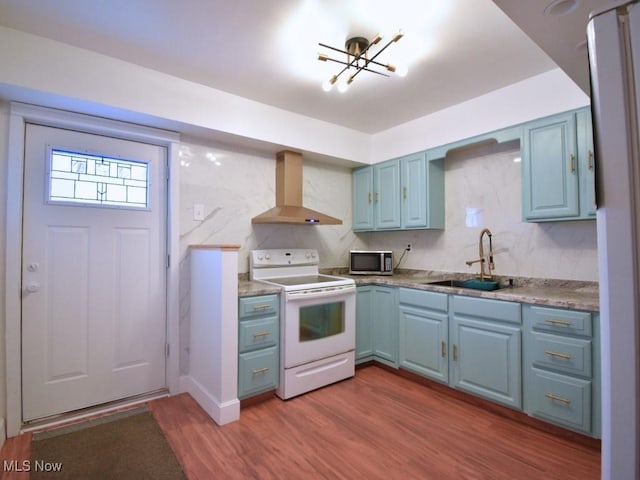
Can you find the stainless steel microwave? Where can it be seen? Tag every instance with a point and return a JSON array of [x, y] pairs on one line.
[[371, 262]]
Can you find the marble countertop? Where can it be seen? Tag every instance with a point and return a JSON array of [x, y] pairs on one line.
[[571, 294]]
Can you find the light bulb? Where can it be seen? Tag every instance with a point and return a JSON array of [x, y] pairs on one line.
[[327, 85], [402, 70], [343, 86]]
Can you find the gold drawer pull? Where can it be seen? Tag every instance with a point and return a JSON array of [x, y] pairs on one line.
[[258, 371], [551, 353], [260, 334], [553, 321], [558, 398], [444, 349], [590, 160], [404, 192], [572, 162], [455, 352], [369, 197], [261, 307]]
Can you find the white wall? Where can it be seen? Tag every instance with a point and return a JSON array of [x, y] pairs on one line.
[[87, 82], [545, 94]]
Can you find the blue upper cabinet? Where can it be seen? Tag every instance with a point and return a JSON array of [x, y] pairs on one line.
[[422, 186], [414, 192], [405, 193], [363, 198], [587, 164], [386, 195], [557, 168]]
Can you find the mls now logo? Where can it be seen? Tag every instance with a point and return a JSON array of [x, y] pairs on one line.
[[29, 466]]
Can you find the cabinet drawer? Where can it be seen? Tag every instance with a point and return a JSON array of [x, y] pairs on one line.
[[260, 305], [257, 371], [561, 399], [422, 298], [566, 354], [489, 309], [556, 320], [258, 333]]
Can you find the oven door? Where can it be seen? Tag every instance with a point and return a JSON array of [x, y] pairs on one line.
[[318, 323]]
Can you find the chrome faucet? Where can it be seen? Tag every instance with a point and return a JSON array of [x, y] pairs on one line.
[[483, 258]]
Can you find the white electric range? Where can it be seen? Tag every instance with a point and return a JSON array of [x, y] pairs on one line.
[[317, 331]]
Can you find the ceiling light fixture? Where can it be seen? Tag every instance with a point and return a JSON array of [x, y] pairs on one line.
[[357, 50]]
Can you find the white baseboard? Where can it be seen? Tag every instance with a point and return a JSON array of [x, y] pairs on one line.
[[221, 412]]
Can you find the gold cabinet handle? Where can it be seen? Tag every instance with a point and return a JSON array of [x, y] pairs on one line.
[[369, 197], [572, 162], [551, 353], [261, 307], [258, 371], [404, 192], [455, 352], [443, 347], [375, 197], [553, 321], [260, 334], [590, 160], [557, 398]]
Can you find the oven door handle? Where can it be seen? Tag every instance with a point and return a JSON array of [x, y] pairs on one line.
[[328, 292]]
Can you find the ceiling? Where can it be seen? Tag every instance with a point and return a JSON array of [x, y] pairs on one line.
[[266, 50]]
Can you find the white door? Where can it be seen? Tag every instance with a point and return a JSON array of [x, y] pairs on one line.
[[93, 270]]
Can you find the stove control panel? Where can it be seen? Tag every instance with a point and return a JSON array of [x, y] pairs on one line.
[[283, 257]]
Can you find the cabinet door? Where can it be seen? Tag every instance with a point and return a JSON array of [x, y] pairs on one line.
[[385, 325], [423, 342], [486, 360], [386, 195], [550, 169], [364, 323], [257, 371], [362, 179], [587, 164], [414, 191]]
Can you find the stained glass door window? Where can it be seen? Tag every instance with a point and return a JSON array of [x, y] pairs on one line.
[[82, 178]]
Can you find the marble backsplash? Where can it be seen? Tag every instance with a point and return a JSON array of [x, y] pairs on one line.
[[233, 186], [488, 179]]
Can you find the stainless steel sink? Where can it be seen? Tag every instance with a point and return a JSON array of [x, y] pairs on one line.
[[471, 283]]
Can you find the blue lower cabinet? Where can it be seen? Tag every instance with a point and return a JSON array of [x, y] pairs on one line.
[[377, 324], [257, 371], [560, 399], [562, 367], [258, 344], [424, 333], [485, 353]]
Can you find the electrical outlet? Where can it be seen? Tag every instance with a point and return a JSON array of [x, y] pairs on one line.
[[408, 249]]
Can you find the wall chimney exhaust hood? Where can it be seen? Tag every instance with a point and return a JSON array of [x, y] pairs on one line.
[[289, 207]]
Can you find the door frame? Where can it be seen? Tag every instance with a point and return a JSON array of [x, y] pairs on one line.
[[19, 115]]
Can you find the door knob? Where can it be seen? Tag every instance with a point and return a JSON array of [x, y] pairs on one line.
[[33, 287]]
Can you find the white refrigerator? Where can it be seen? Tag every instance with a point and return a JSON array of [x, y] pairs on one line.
[[613, 35]]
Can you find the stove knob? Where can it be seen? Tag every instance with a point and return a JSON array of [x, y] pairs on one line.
[[259, 256], [313, 254], [307, 255], [267, 257]]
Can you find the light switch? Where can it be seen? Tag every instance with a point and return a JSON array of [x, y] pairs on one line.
[[198, 211]]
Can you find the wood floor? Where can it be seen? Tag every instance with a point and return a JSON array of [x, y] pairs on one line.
[[377, 425]]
